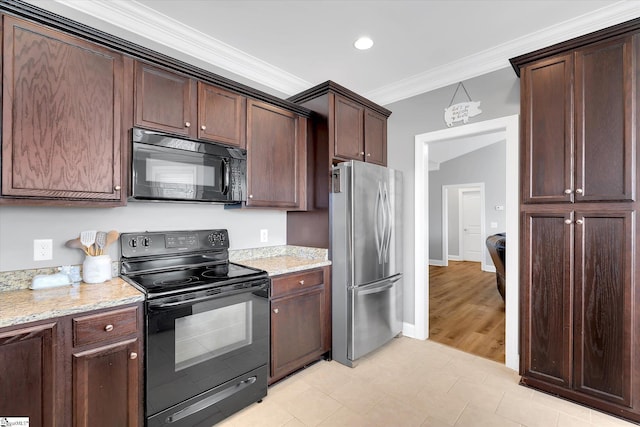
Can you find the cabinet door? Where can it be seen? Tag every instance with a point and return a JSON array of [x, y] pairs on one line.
[[28, 374], [348, 138], [62, 115], [297, 331], [276, 157], [375, 137], [547, 118], [106, 386], [603, 311], [165, 101], [221, 115], [604, 82], [546, 307]]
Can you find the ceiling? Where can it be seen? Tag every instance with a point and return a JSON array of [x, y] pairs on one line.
[[286, 46]]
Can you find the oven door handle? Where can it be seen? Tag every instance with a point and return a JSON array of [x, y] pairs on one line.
[[168, 305], [209, 401]]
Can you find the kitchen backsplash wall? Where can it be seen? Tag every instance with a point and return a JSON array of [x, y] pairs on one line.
[[19, 226]]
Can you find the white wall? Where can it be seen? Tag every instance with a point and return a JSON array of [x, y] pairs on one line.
[[19, 226], [499, 93]]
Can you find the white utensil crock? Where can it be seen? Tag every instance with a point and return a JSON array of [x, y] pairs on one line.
[[96, 269]]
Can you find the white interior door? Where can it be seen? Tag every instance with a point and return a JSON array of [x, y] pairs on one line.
[[470, 222]]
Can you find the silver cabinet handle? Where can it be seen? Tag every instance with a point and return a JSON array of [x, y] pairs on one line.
[[567, 221], [108, 328], [568, 191], [579, 222], [203, 127], [301, 282], [187, 124], [276, 311], [368, 154], [251, 196], [133, 355], [117, 188], [578, 190], [362, 153]]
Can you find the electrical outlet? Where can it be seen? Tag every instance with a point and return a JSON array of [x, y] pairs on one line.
[[42, 249], [264, 235]]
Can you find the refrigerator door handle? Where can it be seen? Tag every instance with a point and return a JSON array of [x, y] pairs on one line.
[[377, 287], [379, 227], [387, 229]]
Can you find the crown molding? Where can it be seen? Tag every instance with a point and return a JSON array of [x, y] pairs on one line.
[[143, 21], [497, 57]]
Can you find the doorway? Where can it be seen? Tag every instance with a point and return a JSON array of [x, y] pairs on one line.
[[458, 238], [509, 125]]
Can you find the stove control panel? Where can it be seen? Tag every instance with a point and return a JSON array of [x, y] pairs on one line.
[[172, 242]]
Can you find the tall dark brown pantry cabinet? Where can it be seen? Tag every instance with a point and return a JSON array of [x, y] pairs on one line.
[[580, 302]]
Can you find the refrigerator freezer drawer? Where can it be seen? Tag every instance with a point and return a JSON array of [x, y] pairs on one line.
[[376, 315]]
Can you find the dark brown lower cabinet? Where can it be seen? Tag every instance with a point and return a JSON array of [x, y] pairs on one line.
[[106, 384], [28, 386], [82, 370], [579, 322], [300, 320]]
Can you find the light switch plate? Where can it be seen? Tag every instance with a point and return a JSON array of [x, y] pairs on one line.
[[264, 235]]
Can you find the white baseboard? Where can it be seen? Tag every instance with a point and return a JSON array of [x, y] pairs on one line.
[[436, 262], [490, 268], [408, 330], [455, 258]]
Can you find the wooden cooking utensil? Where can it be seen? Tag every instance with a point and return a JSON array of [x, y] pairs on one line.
[[112, 236], [76, 244], [101, 241], [88, 238]]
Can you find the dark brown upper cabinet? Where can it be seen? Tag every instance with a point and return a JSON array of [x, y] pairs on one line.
[[222, 115], [177, 104], [276, 152], [63, 117], [165, 101], [358, 132], [578, 125]]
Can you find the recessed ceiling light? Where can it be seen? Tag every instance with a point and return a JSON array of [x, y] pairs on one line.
[[363, 43]]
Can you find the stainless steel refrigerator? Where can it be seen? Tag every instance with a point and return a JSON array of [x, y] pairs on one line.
[[366, 255]]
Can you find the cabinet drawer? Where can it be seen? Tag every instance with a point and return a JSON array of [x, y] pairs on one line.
[[105, 326], [297, 281]]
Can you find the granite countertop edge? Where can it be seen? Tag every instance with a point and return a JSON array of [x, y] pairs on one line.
[[24, 306]]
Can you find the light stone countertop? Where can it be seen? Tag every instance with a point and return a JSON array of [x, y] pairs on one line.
[[26, 305], [277, 260]]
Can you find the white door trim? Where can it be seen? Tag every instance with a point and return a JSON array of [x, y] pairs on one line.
[[510, 125]]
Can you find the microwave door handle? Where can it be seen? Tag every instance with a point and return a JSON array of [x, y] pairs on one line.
[[226, 177]]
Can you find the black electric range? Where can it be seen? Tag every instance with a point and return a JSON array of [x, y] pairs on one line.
[[207, 325]]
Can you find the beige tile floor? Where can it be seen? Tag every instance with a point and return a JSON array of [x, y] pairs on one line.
[[413, 383]]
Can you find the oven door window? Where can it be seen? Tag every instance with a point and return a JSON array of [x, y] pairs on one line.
[[195, 346], [170, 173], [212, 333]]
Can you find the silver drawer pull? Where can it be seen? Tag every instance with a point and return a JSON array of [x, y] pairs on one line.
[[133, 355], [579, 222], [187, 124], [567, 221], [302, 282], [108, 328], [568, 191], [578, 190], [276, 311]]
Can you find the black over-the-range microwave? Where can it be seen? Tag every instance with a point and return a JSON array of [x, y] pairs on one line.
[[170, 168]]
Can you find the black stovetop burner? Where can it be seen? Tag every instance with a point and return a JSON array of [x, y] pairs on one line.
[[168, 263]]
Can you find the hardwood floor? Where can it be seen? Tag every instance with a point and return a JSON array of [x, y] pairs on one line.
[[465, 309]]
